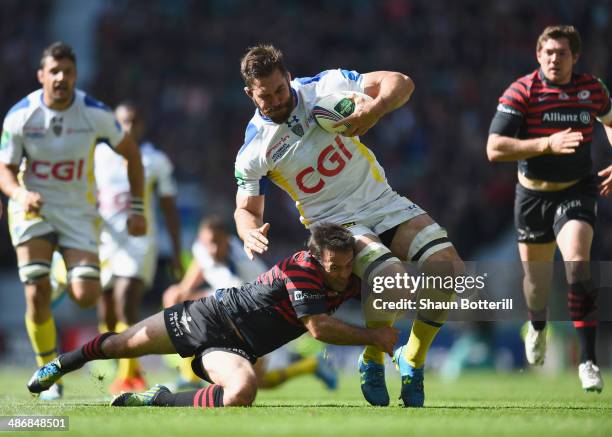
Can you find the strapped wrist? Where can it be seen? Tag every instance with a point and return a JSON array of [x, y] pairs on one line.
[[136, 205]]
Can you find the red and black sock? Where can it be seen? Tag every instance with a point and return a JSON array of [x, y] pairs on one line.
[[90, 351], [538, 318], [581, 301], [207, 397]]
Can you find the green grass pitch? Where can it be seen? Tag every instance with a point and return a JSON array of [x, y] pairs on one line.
[[487, 404]]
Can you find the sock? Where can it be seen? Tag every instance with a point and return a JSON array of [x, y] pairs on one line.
[[421, 337], [186, 370], [43, 338], [371, 353], [126, 367], [581, 302], [276, 377], [538, 318], [207, 397], [88, 352]]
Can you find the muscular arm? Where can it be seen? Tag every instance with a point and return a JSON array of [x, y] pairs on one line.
[[331, 330], [8, 179], [249, 223], [130, 151], [30, 200], [502, 148], [390, 90]]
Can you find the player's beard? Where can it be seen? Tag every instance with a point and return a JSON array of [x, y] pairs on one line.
[[280, 113]]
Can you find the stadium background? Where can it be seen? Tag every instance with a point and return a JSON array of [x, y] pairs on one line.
[[178, 59]]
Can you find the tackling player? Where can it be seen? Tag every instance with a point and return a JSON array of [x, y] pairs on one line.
[[128, 262], [229, 331], [218, 261], [49, 138], [337, 178], [545, 121]]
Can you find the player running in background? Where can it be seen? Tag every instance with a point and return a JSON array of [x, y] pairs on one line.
[[49, 138], [337, 179], [228, 331], [129, 263], [219, 261], [545, 121]]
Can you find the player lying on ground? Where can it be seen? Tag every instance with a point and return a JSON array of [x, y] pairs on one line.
[[227, 332]]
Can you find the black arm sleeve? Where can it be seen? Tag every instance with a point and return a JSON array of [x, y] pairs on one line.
[[505, 124]]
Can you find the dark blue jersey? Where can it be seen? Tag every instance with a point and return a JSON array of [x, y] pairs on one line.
[[267, 311]]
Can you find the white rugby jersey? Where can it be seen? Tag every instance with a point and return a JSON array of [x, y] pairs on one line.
[[58, 147], [237, 270], [330, 177], [114, 186]]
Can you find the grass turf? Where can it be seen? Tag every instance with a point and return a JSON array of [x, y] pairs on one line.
[[476, 404]]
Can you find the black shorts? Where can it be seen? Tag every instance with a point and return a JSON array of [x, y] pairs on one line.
[[199, 327], [540, 215]]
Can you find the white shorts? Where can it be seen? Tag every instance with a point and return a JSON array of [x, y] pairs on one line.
[[122, 255], [75, 228], [384, 213]]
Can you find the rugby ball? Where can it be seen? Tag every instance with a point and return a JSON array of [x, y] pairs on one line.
[[334, 107]]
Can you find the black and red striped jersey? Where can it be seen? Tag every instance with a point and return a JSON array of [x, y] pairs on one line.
[[545, 108], [267, 311]]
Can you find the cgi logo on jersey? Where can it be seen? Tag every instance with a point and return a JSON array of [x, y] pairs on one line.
[[62, 170], [330, 162]]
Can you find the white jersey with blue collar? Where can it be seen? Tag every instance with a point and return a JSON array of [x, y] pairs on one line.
[[57, 147], [330, 177]]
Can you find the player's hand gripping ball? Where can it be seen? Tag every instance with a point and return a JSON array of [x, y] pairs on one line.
[[333, 107]]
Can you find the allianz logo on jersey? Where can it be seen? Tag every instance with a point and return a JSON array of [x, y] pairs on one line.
[[584, 117], [331, 161]]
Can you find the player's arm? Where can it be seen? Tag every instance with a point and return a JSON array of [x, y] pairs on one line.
[[29, 200], [502, 144], [181, 291], [605, 187], [249, 223], [334, 331], [389, 91], [127, 147], [173, 224]]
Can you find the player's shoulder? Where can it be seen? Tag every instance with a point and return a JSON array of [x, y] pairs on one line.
[[21, 110], [255, 134], [524, 83], [90, 103], [589, 80]]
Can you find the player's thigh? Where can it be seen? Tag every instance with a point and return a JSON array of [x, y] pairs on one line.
[[372, 257], [34, 249], [230, 370], [149, 336]]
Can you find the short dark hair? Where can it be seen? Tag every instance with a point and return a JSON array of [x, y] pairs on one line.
[[331, 237], [261, 61], [57, 50], [214, 223], [561, 31]]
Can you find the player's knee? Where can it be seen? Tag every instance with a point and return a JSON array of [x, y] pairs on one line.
[[86, 294], [34, 272], [241, 394]]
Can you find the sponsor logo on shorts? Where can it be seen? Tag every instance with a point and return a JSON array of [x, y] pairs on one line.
[[566, 206], [185, 319], [175, 327]]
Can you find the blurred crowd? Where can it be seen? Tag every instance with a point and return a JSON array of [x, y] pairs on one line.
[[179, 59]]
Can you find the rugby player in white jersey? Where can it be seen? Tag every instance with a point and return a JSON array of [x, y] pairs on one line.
[[337, 179], [219, 262], [129, 263], [46, 169]]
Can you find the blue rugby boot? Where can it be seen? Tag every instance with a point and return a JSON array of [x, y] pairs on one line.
[[326, 372], [45, 377], [373, 385], [413, 392]]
